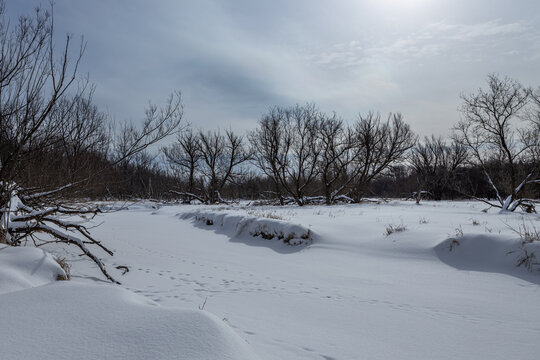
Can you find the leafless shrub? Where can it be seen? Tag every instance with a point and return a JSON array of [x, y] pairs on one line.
[[454, 240], [453, 244], [527, 233], [65, 266], [527, 260], [390, 229], [459, 231]]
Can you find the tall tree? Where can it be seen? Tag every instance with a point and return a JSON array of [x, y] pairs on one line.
[[379, 145], [221, 160], [495, 129]]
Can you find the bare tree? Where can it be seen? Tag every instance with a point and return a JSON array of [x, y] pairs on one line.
[[157, 125], [82, 133], [221, 157], [495, 130], [31, 83], [379, 145], [299, 151], [268, 147], [34, 85], [337, 155], [436, 163], [184, 155]]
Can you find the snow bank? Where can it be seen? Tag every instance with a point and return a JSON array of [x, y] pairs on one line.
[[237, 226], [47, 319], [491, 253], [72, 320], [26, 267]]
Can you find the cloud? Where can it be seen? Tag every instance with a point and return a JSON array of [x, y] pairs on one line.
[[435, 39], [234, 59]]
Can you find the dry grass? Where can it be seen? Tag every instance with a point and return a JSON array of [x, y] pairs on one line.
[[265, 214], [65, 266], [390, 229], [527, 233], [453, 244], [528, 260]]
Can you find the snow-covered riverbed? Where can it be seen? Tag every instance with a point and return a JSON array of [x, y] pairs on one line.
[[354, 292]]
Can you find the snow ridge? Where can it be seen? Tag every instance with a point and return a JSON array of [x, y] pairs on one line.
[[241, 226]]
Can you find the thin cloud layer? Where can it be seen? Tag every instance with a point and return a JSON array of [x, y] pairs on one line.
[[234, 59]]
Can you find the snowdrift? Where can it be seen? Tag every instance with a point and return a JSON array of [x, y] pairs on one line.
[[26, 267], [242, 226], [48, 319], [69, 320], [491, 253]]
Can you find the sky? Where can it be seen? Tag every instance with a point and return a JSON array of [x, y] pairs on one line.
[[233, 59]]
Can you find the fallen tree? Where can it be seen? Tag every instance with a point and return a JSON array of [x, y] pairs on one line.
[[33, 85]]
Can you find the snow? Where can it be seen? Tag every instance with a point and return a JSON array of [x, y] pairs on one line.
[[23, 268], [89, 321], [255, 224], [489, 253], [47, 319], [351, 292]]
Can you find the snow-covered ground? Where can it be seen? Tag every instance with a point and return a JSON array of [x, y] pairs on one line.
[[42, 318], [444, 288]]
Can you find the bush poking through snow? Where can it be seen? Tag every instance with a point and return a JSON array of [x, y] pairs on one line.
[[265, 214], [390, 229], [528, 260], [453, 244], [65, 266], [454, 241], [459, 231], [528, 234], [289, 239], [266, 226]]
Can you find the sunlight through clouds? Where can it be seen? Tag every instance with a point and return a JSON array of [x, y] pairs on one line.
[[234, 59]]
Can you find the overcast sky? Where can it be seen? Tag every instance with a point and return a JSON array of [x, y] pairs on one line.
[[232, 59]]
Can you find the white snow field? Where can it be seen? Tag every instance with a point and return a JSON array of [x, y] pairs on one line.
[[346, 291], [46, 319]]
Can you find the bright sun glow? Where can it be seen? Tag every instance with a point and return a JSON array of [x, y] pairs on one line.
[[399, 4]]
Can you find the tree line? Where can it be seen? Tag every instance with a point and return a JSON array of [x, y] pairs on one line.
[[304, 156], [52, 134]]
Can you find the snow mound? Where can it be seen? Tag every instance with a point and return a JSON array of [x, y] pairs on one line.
[[491, 253], [70, 320], [48, 319], [238, 226], [26, 267]]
